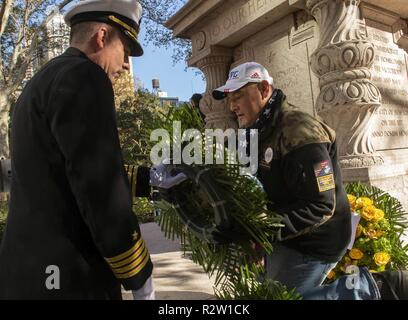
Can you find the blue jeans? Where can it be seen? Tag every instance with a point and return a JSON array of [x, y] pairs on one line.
[[306, 274]]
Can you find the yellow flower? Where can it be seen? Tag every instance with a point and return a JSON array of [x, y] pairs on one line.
[[359, 230], [352, 200], [373, 234], [368, 212], [381, 258], [363, 202], [331, 275], [356, 254], [378, 214]]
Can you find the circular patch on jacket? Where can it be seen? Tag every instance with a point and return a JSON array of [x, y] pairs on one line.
[[268, 155]]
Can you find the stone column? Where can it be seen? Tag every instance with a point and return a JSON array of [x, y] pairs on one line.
[[342, 61], [215, 65]]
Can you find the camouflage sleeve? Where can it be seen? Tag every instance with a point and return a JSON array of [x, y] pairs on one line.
[[309, 176], [139, 178], [300, 128]]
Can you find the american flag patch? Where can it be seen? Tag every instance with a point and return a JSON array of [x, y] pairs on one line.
[[324, 176], [322, 169]]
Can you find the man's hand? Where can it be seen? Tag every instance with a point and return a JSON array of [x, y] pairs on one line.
[[161, 177]]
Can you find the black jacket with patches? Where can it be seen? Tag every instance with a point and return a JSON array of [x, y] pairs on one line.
[[71, 203], [304, 183]]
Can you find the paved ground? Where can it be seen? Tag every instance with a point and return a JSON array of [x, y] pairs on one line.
[[175, 277]]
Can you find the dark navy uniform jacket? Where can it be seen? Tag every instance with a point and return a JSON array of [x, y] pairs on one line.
[[70, 201]]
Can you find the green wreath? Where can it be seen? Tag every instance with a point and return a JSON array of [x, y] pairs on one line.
[[218, 203]]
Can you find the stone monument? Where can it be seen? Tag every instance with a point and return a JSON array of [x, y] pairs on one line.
[[344, 60]]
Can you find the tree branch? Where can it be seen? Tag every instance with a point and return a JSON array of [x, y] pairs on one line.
[[28, 53], [21, 34], [4, 14]]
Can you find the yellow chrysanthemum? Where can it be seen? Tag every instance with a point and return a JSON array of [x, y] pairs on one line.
[[363, 202], [381, 258], [378, 214], [352, 200], [356, 254], [359, 230], [368, 212]]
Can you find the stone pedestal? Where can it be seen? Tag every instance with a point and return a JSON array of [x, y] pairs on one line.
[[392, 178], [345, 60]]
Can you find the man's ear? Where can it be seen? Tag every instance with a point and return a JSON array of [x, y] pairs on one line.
[[264, 87], [101, 37]]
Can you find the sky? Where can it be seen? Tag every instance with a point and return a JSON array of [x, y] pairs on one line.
[[156, 63]]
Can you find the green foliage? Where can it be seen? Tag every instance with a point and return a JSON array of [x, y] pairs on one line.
[[251, 284], [143, 208], [132, 116], [133, 112]]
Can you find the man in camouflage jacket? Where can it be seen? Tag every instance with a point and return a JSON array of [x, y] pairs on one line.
[[299, 170]]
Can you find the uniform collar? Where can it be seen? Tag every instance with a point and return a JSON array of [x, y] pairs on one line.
[[74, 52]]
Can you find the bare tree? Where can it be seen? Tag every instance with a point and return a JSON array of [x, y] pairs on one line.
[[22, 29], [22, 34], [156, 13]]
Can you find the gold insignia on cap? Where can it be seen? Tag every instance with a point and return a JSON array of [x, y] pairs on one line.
[[129, 30]]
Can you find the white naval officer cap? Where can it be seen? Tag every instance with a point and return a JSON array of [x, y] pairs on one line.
[[123, 14]]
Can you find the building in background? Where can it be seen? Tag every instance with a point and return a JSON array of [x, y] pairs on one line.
[[55, 42], [57, 36], [163, 96]]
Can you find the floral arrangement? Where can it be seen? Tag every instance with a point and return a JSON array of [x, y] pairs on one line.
[[378, 238]]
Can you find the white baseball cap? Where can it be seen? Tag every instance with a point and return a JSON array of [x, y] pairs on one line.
[[123, 14], [249, 72]]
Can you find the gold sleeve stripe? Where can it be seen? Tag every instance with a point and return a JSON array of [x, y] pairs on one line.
[[134, 264], [126, 254], [136, 270], [131, 258]]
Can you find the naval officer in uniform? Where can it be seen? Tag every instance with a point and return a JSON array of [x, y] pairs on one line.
[[71, 232]]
